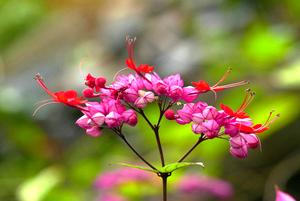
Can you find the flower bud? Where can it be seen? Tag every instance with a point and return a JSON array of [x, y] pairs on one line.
[[252, 140], [231, 130], [210, 128], [88, 93], [83, 122], [240, 152], [175, 93], [169, 114], [140, 102], [90, 80], [237, 141], [98, 118], [93, 131], [197, 118], [100, 82], [189, 94], [210, 112], [130, 117], [149, 96], [160, 87], [197, 128], [113, 119]]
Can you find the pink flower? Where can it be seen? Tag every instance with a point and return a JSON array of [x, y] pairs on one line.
[[239, 152], [210, 128], [189, 94], [282, 196], [175, 84], [130, 117], [175, 93], [231, 130], [91, 127], [197, 118], [152, 79], [210, 112], [111, 197], [94, 131], [117, 177], [197, 185], [174, 80], [252, 140], [160, 87], [144, 98], [197, 128], [238, 147], [113, 119], [184, 116]]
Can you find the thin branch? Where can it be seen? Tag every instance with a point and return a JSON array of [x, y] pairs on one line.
[[201, 139], [122, 136]]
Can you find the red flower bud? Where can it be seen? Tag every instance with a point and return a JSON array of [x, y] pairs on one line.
[[169, 114], [100, 82], [88, 93]]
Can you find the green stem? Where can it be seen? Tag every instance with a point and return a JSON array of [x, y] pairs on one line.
[[155, 129], [164, 180], [164, 177]]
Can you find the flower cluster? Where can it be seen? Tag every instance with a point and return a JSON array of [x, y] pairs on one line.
[[120, 102], [212, 123]]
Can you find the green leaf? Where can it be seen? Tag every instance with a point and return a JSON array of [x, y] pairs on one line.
[[174, 166], [138, 167]]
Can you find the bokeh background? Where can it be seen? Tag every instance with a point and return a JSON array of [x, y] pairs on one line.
[[47, 157]]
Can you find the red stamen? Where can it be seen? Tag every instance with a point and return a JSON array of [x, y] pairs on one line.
[[227, 86], [247, 100], [203, 86], [240, 113], [40, 81], [223, 78], [69, 97], [142, 68], [258, 128], [130, 46]]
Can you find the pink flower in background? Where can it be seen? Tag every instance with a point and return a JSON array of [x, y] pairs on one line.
[[282, 196], [198, 185], [114, 178], [111, 197]]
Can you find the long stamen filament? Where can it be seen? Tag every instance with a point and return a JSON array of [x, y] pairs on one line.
[[117, 73], [43, 101], [270, 120], [247, 100], [39, 107], [223, 77], [130, 46], [40, 81], [244, 82], [250, 99]]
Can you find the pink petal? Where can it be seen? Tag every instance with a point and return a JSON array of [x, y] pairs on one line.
[[282, 196]]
